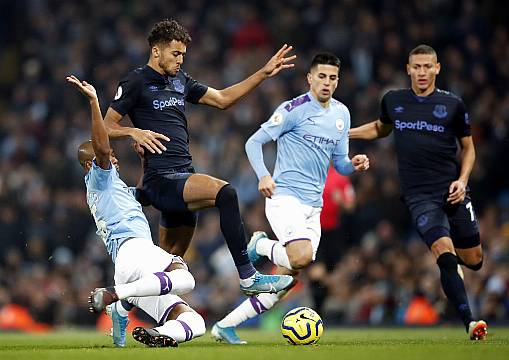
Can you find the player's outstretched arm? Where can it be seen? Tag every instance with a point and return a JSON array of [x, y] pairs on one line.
[[225, 98], [100, 140], [150, 140], [458, 188], [345, 166], [370, 131]]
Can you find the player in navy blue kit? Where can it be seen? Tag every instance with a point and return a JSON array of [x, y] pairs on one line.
[[154, 97], [428, 123]]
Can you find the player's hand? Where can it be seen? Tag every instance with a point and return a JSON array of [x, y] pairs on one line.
[[267, 186], [138, 149], [457, 192], [85, 88], [150, 140], [279, 62], [360, 162]]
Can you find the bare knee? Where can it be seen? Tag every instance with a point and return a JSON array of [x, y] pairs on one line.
[[299, 261]]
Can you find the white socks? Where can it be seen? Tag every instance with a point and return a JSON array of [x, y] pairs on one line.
[[250, 308], [177, 282], [187, 326], [274, 251]]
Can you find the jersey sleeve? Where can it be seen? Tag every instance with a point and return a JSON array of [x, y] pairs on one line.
[[384, 113], [280, 122], [342, 147], [127, 94], [99, 178], [462, 121], [195, 90]]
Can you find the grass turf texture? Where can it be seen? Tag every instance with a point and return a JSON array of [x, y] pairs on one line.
[[366, 343]]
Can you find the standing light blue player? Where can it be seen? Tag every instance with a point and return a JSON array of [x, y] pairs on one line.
[[310, 130], [146, 276]]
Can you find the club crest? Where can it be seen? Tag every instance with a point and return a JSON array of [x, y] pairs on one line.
[[340, 124], [440, 111], [177, 85]]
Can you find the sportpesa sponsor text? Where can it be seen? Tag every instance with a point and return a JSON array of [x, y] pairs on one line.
[[161, 104], [418, 125]]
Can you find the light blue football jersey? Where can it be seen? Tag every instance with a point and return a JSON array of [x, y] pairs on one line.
[[117, 213], [307, 136]]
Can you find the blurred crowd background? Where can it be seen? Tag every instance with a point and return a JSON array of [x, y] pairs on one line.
[[381, 273]]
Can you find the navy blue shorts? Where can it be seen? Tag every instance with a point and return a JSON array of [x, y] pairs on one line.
[[165, 192], [435, 218]]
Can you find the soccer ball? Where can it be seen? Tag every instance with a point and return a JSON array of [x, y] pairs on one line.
[[302, 326]]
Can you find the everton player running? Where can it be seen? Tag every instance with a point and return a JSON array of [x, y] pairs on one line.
[[427, 122], [145, 274], [154, 97], [310, 130]]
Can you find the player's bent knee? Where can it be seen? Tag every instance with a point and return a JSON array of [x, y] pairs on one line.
[[475, 267], [226, 194], [447, 261], [300, 261], [186, 281]]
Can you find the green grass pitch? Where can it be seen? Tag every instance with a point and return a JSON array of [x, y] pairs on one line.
[[344, 343]]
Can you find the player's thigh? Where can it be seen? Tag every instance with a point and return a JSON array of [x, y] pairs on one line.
[[159, 307], [313, 227], [465, 229], [176, 230], [200, 191], [430, 220], [128, 268], [287, 218], [165, 192]]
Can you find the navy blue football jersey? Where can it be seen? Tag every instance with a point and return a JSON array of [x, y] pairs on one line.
[[157, 102], [426, 129]]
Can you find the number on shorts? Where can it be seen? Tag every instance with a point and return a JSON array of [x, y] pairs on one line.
[[471, 210]]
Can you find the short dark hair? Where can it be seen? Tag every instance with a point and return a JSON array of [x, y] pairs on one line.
[[325, 59], [423, 49], [165, 31]]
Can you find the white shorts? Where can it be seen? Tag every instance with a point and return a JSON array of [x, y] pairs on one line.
[[291, 220], [139, 257]]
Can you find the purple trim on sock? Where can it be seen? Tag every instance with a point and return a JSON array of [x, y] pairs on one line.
[[165, 282], [257, 305], [126, 305], [272, 252], [167, 311], [187, 329], [289, 241]]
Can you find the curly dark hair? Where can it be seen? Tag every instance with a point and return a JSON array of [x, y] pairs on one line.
[[167, 30]]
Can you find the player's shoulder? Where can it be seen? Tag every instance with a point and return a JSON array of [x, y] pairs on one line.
[[295, 103], [135, 76], [336, 104], [397, 93], [447, 95]]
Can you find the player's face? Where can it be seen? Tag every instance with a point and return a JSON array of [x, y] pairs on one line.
[[423, 70], [171, 57], [323, 80]]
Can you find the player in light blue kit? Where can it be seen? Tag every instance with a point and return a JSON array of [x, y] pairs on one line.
[[310, 130], [145, 275]]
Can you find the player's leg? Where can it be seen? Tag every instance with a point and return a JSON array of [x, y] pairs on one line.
[[143, 269], [176, 321], [465, 235], [176, 230], [467, 243], [434, 227], [224, 330], [295, 225], [203, 191]]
